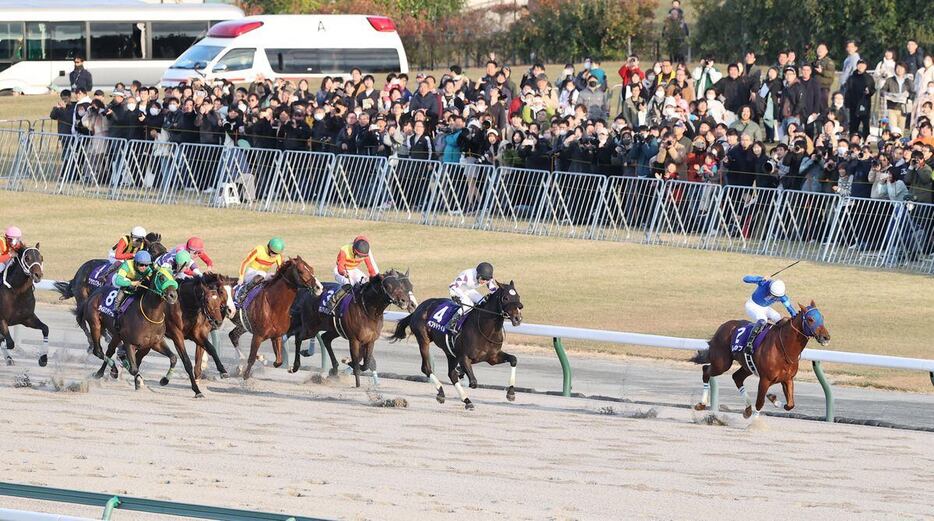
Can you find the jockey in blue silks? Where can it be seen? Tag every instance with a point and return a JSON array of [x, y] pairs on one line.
[[767, 292]]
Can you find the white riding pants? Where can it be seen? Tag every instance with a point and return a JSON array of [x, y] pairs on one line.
[[468, 298], [755, 312], [355, 276]]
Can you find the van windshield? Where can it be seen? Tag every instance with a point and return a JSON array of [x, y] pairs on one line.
[[199, 54]]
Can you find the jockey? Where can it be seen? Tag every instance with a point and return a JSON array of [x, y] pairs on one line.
[[349, 259], [179, 264], [11, 245], [347, 270], [464, 290], [262, 262], [767, 292], [128, 245], [195, 248], [129, 276]]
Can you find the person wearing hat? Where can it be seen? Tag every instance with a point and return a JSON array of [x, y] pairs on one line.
[[857, 98]]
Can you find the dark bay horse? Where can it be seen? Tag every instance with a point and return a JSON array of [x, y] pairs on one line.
[[80, 288], [18, 301], [267, 315], [776, 359], [201, 307], [480, 338], [142, 326], [361, 323]]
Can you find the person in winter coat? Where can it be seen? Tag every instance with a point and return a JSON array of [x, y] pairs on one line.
[[858, 92]]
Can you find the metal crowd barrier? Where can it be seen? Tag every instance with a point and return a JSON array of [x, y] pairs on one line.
[[870, 233]]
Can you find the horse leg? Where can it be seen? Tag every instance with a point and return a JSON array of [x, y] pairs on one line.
[[455, 379], [760, 398], [371, 364], [511, 388], [33, 322], [326, 339], [234, 337], [277, 349], [298, 336], [468, 369], [788, 387], [7, 341], [134, 367], [189, 370], [424, 345], [254, 348], [738, 378], [355, 360], [203, 341], [719, 364], [199, 363], [163, 349], [106, 357]]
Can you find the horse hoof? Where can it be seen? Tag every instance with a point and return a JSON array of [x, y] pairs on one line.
[[199, 395], [789, 407], [138, 382], [774, 400], [473, 385], [43, 361], [306, 353], [9, 360], [468, 404], [164, 381], [292, 370], [700, 406], [332, 372], [440, 398], [747, 412], [511, 394], [277, 364], [224, 376]]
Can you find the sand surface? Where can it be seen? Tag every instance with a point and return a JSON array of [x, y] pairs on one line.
[[283, 443]]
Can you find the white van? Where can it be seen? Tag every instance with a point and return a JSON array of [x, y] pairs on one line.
[[291, 47]]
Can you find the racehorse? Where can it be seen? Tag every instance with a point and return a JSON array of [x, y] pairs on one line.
[[266, 315], [361, 323], [480, 338], [80, 287], [201, 308], [775, 360], [141, 326], [18, 300]]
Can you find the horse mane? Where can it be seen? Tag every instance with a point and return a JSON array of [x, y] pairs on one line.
[[280, 273]]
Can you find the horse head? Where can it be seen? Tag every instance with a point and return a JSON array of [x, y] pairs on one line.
[[812, 323], [153, 244], [212, 299], [30, 261], [509, 301], [398, 288], [302, 275], [164, 286]]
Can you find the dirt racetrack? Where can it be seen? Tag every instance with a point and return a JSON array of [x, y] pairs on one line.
[[284, 443]]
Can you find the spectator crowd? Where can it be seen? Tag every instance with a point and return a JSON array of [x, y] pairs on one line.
[[793, 123]]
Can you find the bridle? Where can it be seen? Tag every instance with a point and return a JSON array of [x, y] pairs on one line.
[[807, 333], [203, 297], [401, 280], [22, 260]]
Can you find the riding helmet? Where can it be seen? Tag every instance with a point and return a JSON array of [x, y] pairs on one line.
[[195, 245], [142, 258], [777, 288], [182, 258], [276, 245], [485, 271], [138, 232], [14, 233], [361, 246]]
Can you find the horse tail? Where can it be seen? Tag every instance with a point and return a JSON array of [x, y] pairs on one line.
[[64, 288], [702, 356], [400, 333]]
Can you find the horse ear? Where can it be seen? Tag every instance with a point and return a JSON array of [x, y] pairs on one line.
[[407, 272], [813, 305], [37, 245], [802, 308], [512, 283]]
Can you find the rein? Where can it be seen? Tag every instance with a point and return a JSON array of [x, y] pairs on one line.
[[781, 341], [22, 260]]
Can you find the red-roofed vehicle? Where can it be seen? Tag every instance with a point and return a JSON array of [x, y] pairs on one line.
[[291, 47]]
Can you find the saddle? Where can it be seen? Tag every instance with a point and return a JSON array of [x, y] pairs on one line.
[[747, 340], [334, 303], [99, 275], [108, 306], [245, 294], [440, 317]]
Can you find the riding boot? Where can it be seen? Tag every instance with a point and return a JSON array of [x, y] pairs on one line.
[[756, 329], [452, 324], [121, 296], [338, 297]]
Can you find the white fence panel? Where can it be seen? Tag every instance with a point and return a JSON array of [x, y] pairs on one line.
[[686, 211], [572, 205], [515, 199], [407, 190], [300, 182], [356, 186]]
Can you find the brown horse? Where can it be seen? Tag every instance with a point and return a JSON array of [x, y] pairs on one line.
[[18, 301], [361, 324], [142, 326], [775, 360], [200, 309], [267, 315], [480, 338], [80, 287]]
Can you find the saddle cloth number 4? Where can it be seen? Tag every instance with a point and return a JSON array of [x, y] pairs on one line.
[[439, 316]]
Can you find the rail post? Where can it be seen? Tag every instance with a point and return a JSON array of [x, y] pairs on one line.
[[828, 394], [714, 395], [112, 503], [324, 356], [932, 377], [565, 366]]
